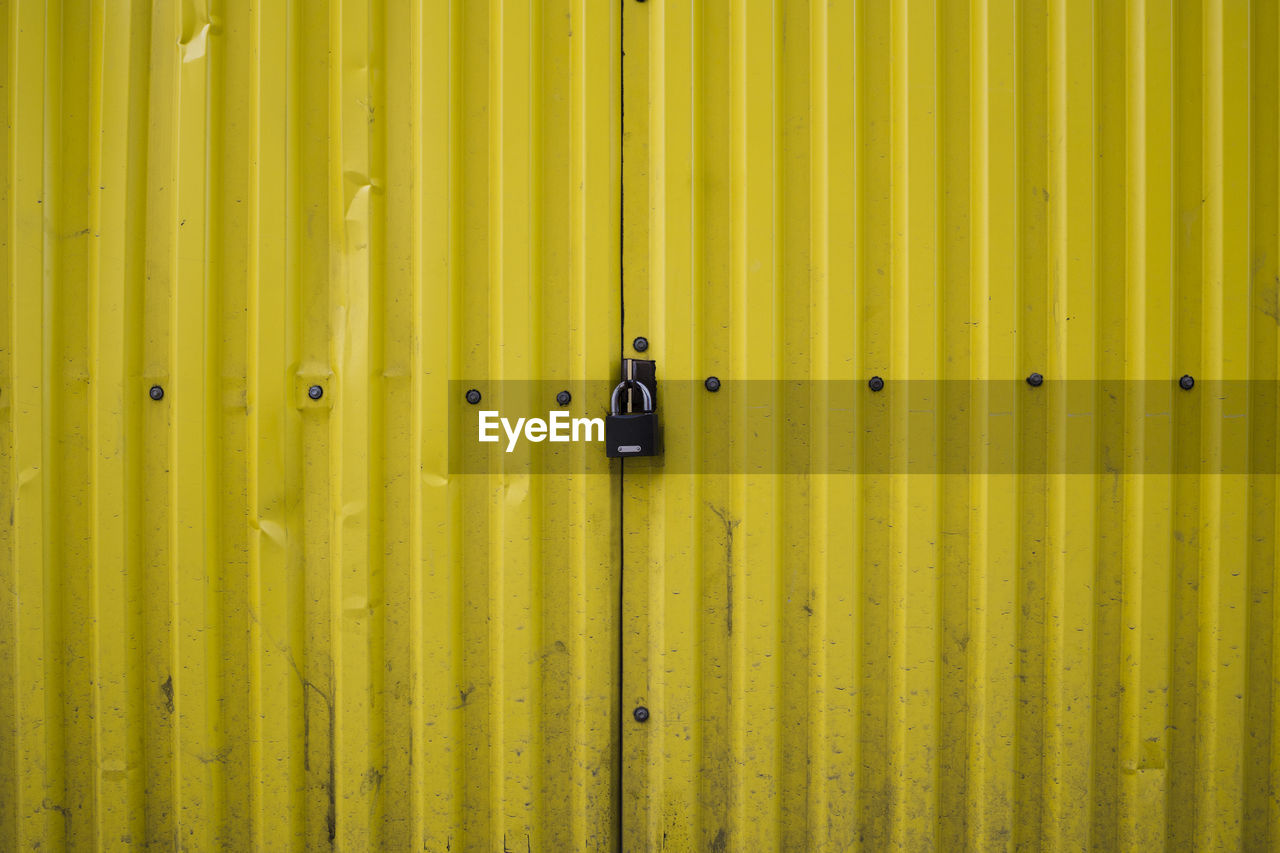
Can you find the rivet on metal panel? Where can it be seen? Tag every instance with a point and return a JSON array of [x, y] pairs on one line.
[[473, 396], [641, 714], [1187, 382], [875, 383], [156, 392], [1035, 380], [640, 344], [563, 398], [712, 383], [315, 392]]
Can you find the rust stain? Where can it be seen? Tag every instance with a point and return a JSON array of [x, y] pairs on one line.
[[167, 690], [730, 525]]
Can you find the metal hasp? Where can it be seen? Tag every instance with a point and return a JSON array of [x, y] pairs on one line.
[[631, 427]]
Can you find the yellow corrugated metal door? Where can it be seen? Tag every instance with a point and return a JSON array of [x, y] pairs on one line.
[[973, 609], [970, 544], [253, 256]]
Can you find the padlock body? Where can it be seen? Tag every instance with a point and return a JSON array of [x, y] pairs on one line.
[[632, 434]]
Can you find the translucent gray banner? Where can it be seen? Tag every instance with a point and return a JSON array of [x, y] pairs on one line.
[[906, 427]]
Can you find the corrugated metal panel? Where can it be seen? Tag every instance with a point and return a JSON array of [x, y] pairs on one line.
[[238, 616], [967, 190]]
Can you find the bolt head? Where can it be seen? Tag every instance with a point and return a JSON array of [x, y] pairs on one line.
[[875, 383], [156, 392], [315, 392], [640, 344], [563, 398], [1035, 380], [473, 396], [1187, 382], [641, 714], [712, 383]]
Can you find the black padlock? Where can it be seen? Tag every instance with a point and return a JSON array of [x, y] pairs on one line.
[[631, 433]]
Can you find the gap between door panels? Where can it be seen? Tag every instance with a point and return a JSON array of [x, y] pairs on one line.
[[622, 328]]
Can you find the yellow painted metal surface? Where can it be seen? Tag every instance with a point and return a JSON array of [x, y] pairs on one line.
[[238, 617], [243, 617], [944, 194]]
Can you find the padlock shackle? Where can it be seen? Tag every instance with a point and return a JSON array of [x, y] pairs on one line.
[[614, 398]]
